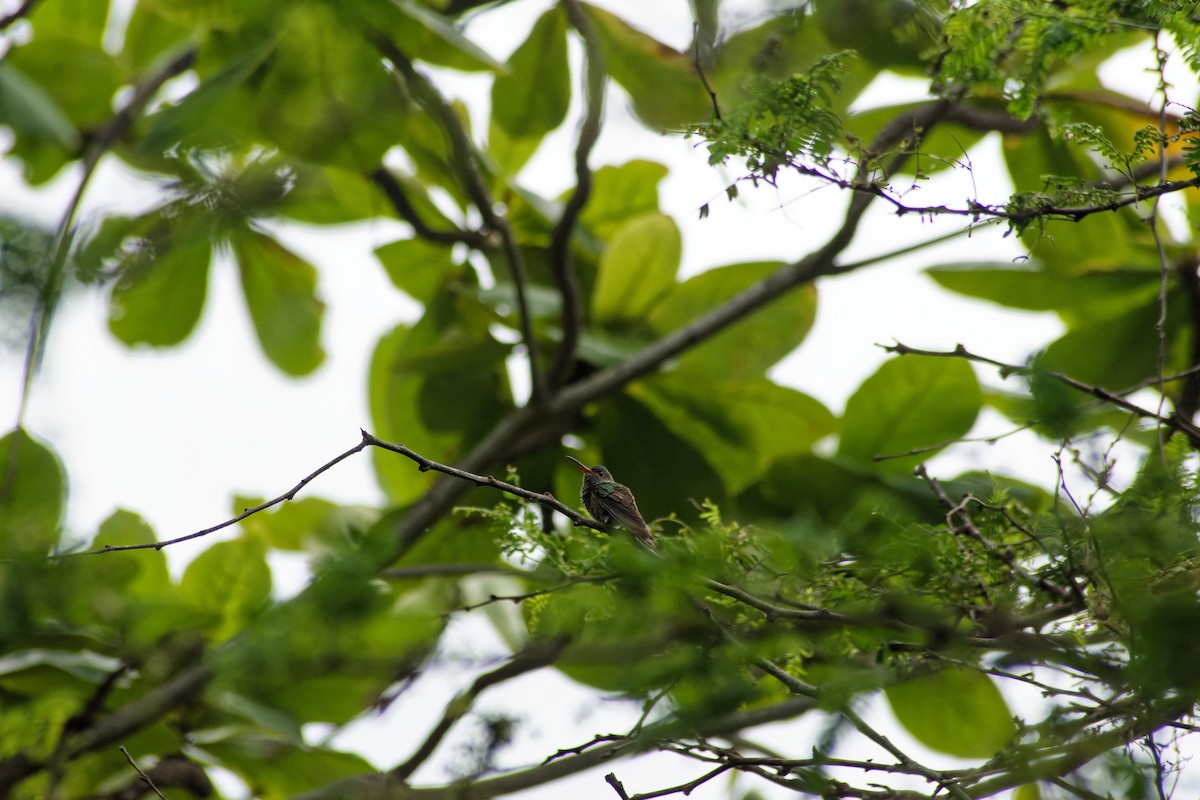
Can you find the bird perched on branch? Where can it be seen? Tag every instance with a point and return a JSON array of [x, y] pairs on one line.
[[609, 502]]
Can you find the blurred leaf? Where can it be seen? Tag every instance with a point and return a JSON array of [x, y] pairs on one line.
[[746, 349], [435, 39], [741, 427], [416, 267], [325, 94], [37, 671], [307, 524], [275, 768], [57, 64], [944, 147], [910, 402], [229, 581], [203, 117], [1120, 351], [637, 269], [280, 289], [158, 298], [532, 98], [888, 33], [33, 489], [31, 112], [329, 195], [661, 81], [665, 471], [620, 193], [959, 712], [1074, 297]]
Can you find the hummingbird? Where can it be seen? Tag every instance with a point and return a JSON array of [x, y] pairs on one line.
[[608, 502]]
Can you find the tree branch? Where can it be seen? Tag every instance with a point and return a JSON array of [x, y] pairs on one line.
[[532, 658], [466, 159], [392, 188], [560, 237], [1174, 422]]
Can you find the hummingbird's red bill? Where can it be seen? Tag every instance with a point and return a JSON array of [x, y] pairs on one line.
[[580, 463]]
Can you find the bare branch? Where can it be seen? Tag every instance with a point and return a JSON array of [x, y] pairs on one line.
[[288, 495]]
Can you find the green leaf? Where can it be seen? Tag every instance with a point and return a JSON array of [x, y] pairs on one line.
[[1120, 351], [203, 117], [159, 297], [32, 113], [57, 63], [329, 195], [532, 99], [275, 768], [910, 402], [746, 349], [230, 582], [35, 671], [664, 470], [433, 389], [637, 269], [661, 81], [143, 573], [280, 289], [416, 267], [620, 193], [435, 39], [325, 94], [959, 712], [309, 524], [1088, 295], [33, 488], [742, 427]]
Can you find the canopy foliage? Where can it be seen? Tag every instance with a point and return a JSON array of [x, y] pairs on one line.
[[807, 560]]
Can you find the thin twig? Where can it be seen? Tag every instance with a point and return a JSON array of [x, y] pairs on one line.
[[612, 780], [143, 776]]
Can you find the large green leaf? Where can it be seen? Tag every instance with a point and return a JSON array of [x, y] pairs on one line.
[[230, 583], [329, 195], [911, 402], [33, 489], [742, 427], [309, 524], [1122, 350], [416, 267], [433, 388], [955, 711], [666, 472], [275, 768], [620, 193], [1089, 295], [637, 269], [31, 112], [280, 290], [159, 297], [661, 81], [212, 114], [532, 99], [432, 37], [58, 64], [36, 672], [746, 349], [324, 94]]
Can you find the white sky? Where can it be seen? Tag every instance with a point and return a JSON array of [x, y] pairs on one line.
[[175, 434]]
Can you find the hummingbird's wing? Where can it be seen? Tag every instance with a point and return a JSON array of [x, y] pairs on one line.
[[619, 503]]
